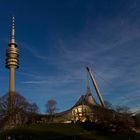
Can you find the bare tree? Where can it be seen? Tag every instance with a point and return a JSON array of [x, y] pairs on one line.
[[51, 108], [32, 111], [108, 105], [20, 111], [32, 108], [110, 120], [137, 120], [3, 108], [122, 109]]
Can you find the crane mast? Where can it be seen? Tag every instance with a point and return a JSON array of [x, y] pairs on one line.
[[96, 87]]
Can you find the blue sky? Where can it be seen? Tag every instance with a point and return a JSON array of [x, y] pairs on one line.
[[58, 39]]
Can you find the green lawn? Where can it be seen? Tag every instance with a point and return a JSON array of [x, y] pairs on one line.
[[62, 132]]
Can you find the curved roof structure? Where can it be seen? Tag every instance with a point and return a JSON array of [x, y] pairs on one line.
[[86, 99]]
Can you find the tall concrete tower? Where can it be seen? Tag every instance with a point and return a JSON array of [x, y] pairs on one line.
[[12, 62]]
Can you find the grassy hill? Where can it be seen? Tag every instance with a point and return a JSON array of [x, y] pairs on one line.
[[61, 132]]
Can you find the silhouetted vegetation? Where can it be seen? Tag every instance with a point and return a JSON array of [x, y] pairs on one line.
[[137, 120], [21, 109], [108, 120], [51, 109]]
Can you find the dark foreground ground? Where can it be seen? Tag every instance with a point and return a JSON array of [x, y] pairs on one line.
[[62, 132]]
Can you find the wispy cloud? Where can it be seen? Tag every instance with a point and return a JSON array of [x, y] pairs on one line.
[[109, 46], [35, 82], [32, 50]]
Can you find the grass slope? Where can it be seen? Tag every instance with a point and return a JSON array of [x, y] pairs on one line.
[[61, 132]]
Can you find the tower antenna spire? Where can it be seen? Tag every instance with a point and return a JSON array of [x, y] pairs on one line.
[[13, 30]]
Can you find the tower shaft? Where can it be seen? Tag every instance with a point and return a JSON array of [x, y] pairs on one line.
[[12, 80]]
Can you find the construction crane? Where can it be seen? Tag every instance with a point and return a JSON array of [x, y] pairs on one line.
[[96, 88]]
